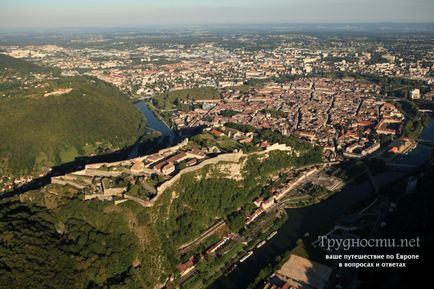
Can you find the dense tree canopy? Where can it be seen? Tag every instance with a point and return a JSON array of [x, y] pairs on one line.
[[64, 242]]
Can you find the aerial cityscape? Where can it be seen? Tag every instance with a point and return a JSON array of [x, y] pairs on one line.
[[230, 145]]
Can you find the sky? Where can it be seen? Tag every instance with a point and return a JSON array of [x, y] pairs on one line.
[[136, 13]]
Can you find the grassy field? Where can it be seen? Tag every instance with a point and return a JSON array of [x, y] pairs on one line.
[[172, 99], [224, 143]]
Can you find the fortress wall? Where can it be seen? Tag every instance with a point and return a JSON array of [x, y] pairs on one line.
[[139, 201], [230, 157]]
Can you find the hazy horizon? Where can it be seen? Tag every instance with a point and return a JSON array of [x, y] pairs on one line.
[[26, 14]]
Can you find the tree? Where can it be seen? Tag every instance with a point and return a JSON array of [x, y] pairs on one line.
[[236, 221]]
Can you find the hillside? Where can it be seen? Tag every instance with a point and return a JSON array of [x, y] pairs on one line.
[[94, 244], [17, 75], [53, 120], [21, 65], [59, 241]]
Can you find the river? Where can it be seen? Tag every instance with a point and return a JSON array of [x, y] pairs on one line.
[[155, 123], [316, 218]]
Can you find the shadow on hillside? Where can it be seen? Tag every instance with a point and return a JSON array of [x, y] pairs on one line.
[[79, 163]]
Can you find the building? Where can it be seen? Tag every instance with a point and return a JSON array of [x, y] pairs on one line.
[[187, 267], [415, 93], [307, 135], [196, 153], [371, 149], [268, 203], [400, 146], [258, 212], [382, 126], [216, 133], [167, 166], [264, 144], [168, 169]]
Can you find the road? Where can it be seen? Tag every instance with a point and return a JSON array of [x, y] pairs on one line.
[[203, 236]]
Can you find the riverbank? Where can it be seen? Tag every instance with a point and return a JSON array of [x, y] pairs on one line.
[[158, 115], [370, 219], [308, 201]]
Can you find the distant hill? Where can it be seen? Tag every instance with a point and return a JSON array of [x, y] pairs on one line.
[[77, 116], [22, 65]]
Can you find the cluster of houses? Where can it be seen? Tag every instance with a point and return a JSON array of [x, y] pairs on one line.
[[232, 133], [187, 266], [358, 140], [278, 193], [341, 115], [263, 205]]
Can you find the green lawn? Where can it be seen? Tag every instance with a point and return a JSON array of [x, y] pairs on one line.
[[170, 100]]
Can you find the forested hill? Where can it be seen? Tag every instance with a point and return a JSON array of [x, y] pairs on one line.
[[48, 120], [56, 240]]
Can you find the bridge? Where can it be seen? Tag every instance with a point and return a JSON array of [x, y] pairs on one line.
[[138, 98], [402, 168], [373, 182], [426, 110], [426, 142]]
